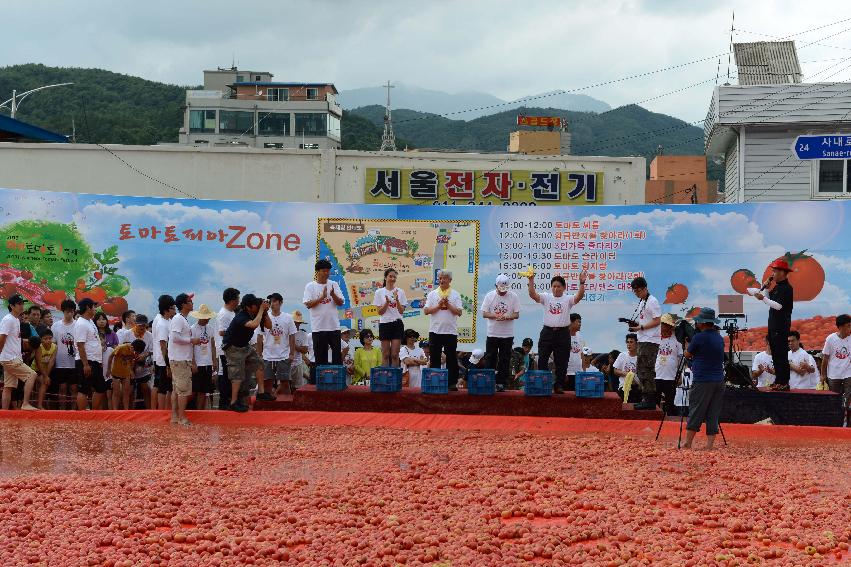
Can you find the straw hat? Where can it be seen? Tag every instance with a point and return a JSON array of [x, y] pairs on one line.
[[669, 319], [202, 313], [297, 317]]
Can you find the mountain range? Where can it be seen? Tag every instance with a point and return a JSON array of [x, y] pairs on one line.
[[465, 105], [107, 107]]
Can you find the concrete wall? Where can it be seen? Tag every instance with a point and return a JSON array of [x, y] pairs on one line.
[[266, 175]]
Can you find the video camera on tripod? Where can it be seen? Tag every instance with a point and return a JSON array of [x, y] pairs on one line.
[[731, 308]]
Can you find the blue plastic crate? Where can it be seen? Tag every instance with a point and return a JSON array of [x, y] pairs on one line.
[[435, 381], [481, 382], [538, 383], [330, 378], [385, 379], [590, 384]]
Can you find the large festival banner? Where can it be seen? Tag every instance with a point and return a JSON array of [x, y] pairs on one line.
[[125, 251]]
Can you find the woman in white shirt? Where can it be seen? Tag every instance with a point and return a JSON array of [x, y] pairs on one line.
[[391, 303], [413, 358]]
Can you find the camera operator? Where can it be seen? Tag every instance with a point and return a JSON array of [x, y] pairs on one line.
[[706, 353], [649, 337], [780, 301]]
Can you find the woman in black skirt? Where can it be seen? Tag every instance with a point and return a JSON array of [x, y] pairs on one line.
[[391, 303]]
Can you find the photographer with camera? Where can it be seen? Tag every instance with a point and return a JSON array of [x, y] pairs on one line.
[[242, 358], [706, 354], [649, 337]]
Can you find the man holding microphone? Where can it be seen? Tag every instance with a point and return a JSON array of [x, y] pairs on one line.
[[780, 301]]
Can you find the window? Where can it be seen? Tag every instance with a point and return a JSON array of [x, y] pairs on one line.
[[240, 78], [256, 77], [312, 94], [278, 95], [333, 126], [236, 122], [274, 124], [311, 124], [834, 177], [202, 121]]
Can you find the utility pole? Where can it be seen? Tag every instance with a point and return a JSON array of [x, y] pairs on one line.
[[18, 98], [388, 139]]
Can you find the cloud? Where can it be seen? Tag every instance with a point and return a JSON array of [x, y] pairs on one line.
[[497, 46]]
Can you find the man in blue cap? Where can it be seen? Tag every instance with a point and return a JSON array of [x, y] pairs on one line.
[[706, 353]]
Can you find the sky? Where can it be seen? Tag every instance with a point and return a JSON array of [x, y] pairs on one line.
[[506, 48]]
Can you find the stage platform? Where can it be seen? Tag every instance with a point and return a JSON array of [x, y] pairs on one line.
[[795, 407], [412, 400]]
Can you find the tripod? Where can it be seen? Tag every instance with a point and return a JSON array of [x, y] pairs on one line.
[[678, 377]]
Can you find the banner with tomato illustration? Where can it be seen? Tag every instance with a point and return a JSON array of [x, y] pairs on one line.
[[126, 251]]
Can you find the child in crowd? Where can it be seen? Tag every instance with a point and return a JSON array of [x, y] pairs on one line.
[[205, 360], [121, 367], [412, 358], [366, 358], [43, 362], [626, 363]]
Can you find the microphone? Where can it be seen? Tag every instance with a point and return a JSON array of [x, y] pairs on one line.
[[767, 283]]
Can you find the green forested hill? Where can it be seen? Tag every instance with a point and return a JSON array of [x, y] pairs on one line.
[[110, 107], [105, 107]]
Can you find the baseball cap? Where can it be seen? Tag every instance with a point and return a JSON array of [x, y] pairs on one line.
[[586, 350], [16, 299], [477, 356], [527, 342], [502, 282], [275, 296]]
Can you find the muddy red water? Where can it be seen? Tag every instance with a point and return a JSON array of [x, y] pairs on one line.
[[96, 493]]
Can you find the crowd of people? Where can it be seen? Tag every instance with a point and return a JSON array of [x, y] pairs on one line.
[[250, 345]]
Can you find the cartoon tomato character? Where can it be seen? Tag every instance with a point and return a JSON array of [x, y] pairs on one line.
[[806, 277], [742, 279], [677, 293]]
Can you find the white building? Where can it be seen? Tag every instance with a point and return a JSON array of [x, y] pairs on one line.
[[245, 173], [247, 108], [753, 126]]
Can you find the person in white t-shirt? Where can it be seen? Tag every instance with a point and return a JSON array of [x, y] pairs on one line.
[[803, 374], [500, 307], [555, 334], [11, 357], [89, 357], [277, 344], [836, 361], [413, 359], [648, 332], [128, 321], [205, 360], [625, 363], [576, 362], [391, 303], [300, 368], [230, 298], [444, 306], [346, 352], [161, 392], [762, 369], [65, 371], [322, 297], [667, 363], [180, 357]]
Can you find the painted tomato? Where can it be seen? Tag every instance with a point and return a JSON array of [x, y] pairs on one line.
[[692, 312], [115, 306], [54, 298], [677, 293], [96, 294], [806, 277], [742, 279]]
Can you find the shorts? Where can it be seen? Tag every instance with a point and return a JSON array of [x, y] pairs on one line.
[[393, 331], [276, 370], [162, 381], [94, 383], [202, 380], [142, 379], [181, 377], [299, 373], [15, 371], [243, 363], [64, 376]]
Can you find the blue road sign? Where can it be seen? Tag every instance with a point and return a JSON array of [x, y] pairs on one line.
[[824, 146]]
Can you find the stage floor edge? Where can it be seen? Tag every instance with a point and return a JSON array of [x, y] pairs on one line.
[[436, 422]]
